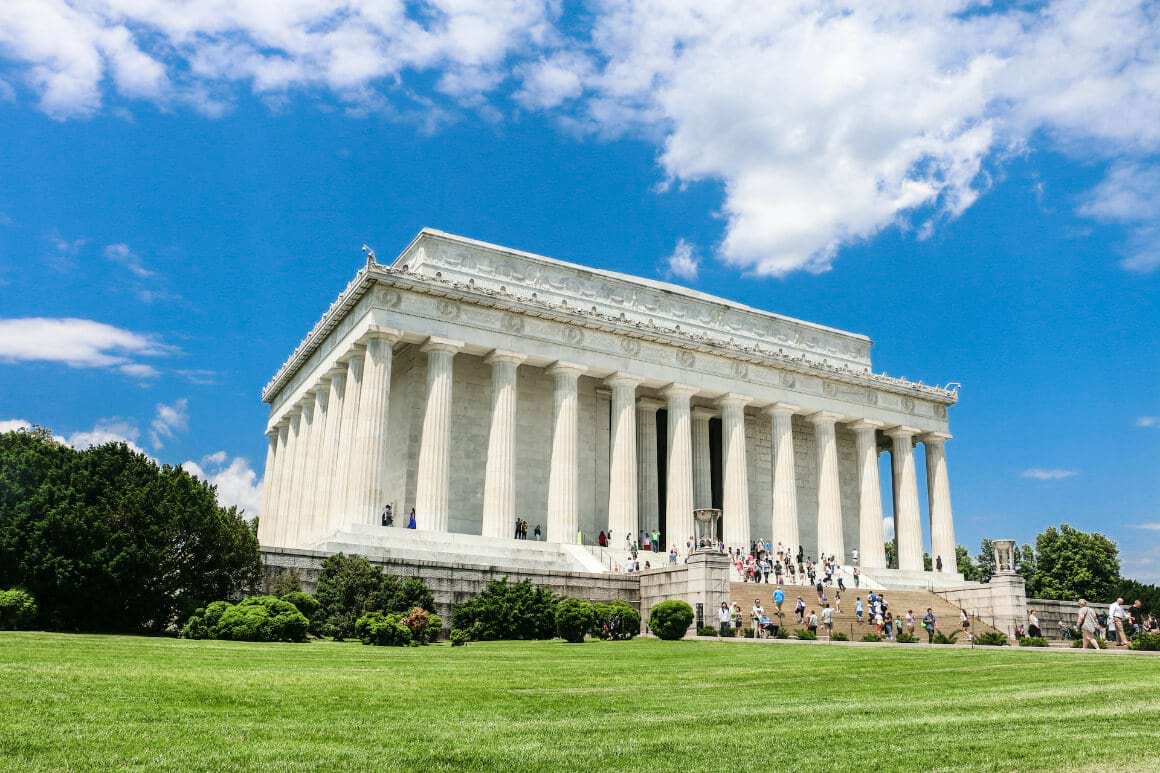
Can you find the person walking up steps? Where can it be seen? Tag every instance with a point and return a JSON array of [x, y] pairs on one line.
[[858, 611], [928, 622]]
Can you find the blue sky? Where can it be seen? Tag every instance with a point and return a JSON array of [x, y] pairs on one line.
[[182, 196]]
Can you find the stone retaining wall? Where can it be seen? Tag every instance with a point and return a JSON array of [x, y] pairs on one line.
[[1051, 611]]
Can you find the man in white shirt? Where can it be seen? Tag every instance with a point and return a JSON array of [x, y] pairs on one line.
[[855, 555], [724, 615], [1117, 614]]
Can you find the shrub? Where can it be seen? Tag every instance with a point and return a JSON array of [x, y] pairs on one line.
[[383, 630], [459, 637], [670, 619], [708, 630], [805, 635], [195, 627], [507, 610], [1033, 641], [906, 638], [1146, 641], [782, 633], [839, 636], [615, 620], [1077, 642], [17, 609], [871, 637], [748, 633], [351, 586], [574, 618], [991, 639], [288, 581], [308, 606], [259, 618], [942, 638]]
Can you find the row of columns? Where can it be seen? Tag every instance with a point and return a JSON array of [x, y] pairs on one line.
[[327, 461]]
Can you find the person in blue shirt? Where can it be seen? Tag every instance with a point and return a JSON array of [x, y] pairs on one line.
[[778, 598], [858, 610]]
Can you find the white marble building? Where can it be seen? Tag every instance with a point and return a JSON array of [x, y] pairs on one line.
[[479, 384]]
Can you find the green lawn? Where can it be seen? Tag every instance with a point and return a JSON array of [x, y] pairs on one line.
[[102, 702]]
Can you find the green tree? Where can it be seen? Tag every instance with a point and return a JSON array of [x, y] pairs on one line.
[[966, 564], [927, 563], [1072, 564], [1025, 562], [985, 561], [106, 539], [891, 555]]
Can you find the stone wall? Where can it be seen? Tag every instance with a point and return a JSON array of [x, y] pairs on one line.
[[703, 579], [1051, 611], [1002, 602], [452, 584]]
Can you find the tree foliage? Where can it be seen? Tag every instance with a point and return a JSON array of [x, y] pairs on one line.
[[258, 618], [573, 619], [349, 587], [1072, 564], [670, 619], [967, 566], [105, 539], [985, 561], [506, 610]]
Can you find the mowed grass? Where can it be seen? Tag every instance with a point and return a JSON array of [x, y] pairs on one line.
[[116, 702]]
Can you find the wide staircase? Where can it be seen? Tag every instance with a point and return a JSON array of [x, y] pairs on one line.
[[947, 615]]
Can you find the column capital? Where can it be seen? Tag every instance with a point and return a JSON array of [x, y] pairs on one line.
[[272, 433], [436, 344], [620, 378], [702, 413], [861, 425], [782, 409], [505, 357], [679, 390], [381, 331], [732, 398], [824, 417], [935, 438], [649, 404], [902, 431], [356, 351], [566, 368], [338, 371]]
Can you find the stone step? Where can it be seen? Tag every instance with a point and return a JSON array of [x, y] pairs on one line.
[[398, 535], [482, 550], [562, 563]]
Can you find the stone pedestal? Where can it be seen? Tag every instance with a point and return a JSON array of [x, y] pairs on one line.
[[708, 583]]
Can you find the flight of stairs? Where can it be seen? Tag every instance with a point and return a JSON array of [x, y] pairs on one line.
[[946, 614]]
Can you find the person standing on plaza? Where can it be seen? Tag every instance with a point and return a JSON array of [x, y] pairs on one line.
[[828, 621], [812, 622], [1085, 621], [857, 577], [411, 519], [724, 615], [537, 532], [1117, 615], [388, 516], [910, 621], [1033, 624]]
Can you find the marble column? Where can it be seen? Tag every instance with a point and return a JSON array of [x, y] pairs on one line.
[[305, 534], [907, 527], [348, 474], [735, 513], [328, 455], [679, 502], [648, 502], [702, 459], [830, 540], [938, 486], [301, 483], [269, 486], [871, 543], [499, 482], [434, 476], [374, 441], [286, 474], [622, 483], [563, 473], [785, 512]]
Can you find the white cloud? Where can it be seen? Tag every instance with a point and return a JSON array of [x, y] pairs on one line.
[[1042, 474], [113, 430], [888, 528], [79, 343], [1152, 526], [824, 122], [683, 262], [237, 484], [1150, 422], [120, 253], [11, 425], [168, 420], [1129, 194]]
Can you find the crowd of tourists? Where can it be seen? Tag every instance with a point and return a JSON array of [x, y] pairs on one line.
[[763, 563], [1116, 626]]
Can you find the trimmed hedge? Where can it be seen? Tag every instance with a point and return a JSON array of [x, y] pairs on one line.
[[991, 639], [308, 606], [871, 637], [509, 610], [1149, 642], [258, 618], [17, 609], [805, 634], [839, 636], [1033, 641], [616, 620], [906, 638], [1077, 642], [708, 630], [670, 619], [942, 638], [459, 637], [382, 630], [574, 618]]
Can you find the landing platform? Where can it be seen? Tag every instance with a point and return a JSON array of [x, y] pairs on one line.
[[418, 545]]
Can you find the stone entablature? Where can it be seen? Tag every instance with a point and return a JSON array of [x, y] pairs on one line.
[[398, 288]]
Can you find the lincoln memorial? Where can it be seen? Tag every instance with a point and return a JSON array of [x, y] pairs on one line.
[[479, 384]]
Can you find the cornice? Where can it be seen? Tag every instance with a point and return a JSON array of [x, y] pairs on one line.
[[467, 292]]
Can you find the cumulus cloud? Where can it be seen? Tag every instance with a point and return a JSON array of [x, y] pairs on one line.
[[1129, 195], [1151, 526], [112, 430], [169, 420], [1037, 473], [237, 484], [824, 122], [888, 528], [683, 262], [11, 425], [79, 343], [1149, 422]]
